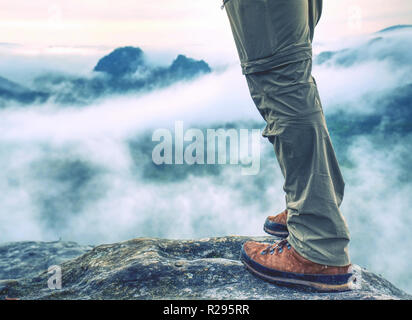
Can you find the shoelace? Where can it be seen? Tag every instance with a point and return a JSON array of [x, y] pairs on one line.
[[277, 245]]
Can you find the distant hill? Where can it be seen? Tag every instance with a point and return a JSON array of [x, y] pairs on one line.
[[397, 27], [121, 61], [185, 67], [385, 46], [127, 61], [15, 93]]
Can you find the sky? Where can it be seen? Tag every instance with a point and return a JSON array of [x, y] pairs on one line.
[[197, 27]]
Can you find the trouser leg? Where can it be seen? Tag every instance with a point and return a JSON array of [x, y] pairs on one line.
[[275, 52], [314, 185]]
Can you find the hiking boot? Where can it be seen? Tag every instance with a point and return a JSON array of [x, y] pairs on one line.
[[281, 264], [276, 225]]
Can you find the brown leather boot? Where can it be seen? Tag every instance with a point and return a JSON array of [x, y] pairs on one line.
[[276, 225], [281, 264]]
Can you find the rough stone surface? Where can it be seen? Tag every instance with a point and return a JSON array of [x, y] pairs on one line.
[[148, 268], [28, 258]]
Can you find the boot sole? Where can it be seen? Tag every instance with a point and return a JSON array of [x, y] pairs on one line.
[[317, 282], [279, 234], [276, 229]]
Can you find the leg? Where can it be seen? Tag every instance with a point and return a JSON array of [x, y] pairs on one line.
[[275, 53], [314, 186]]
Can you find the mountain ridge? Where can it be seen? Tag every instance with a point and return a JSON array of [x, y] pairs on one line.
[[124, 70]]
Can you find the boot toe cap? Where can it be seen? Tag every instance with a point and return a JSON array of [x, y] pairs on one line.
[[252, 248]]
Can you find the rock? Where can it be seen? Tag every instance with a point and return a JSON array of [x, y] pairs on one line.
[[148, 268], [28, 258]]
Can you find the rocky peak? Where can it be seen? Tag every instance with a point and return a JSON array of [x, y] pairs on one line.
[[148, 268], [184, 65], [121, 61]]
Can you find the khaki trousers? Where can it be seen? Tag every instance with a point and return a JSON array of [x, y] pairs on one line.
[[274, 42]]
